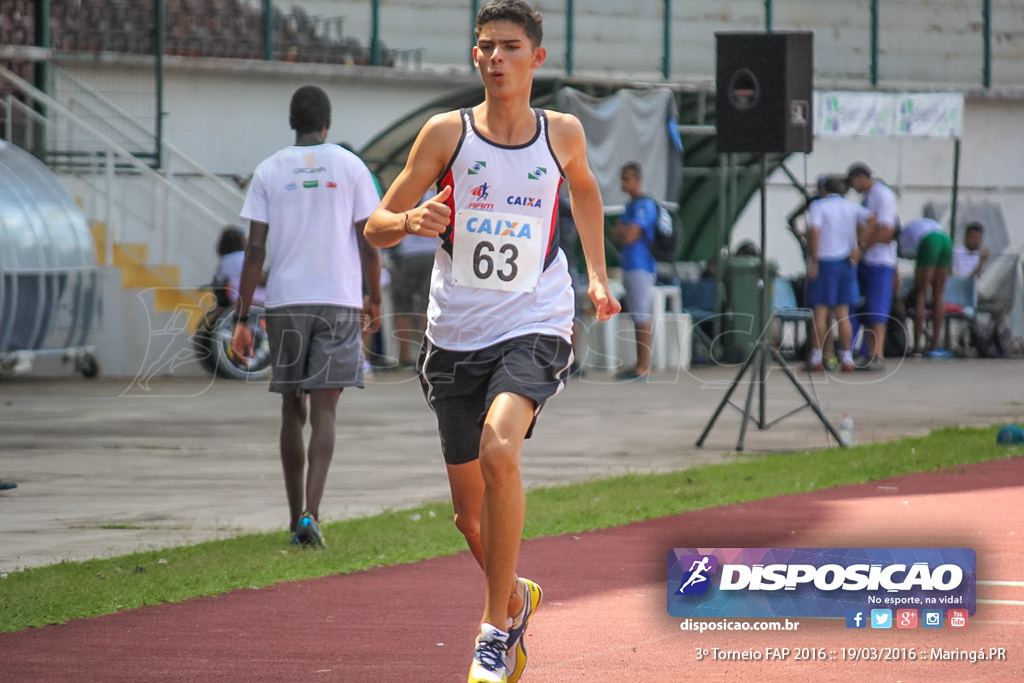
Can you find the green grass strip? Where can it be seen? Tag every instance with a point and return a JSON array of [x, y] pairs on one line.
[[69, 590]]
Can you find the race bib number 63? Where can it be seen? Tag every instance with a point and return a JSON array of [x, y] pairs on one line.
[[496, 251]]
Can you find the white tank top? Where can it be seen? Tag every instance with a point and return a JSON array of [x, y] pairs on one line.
[[500, 272]]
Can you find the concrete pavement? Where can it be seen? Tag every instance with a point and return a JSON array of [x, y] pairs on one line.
[[110, 466]]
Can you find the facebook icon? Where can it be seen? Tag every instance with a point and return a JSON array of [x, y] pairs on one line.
[[856, 618]]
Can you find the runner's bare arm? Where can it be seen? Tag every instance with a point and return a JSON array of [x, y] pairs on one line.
[[570, 147], [398, 214], [369, 258], [813, 239], [252, 273]]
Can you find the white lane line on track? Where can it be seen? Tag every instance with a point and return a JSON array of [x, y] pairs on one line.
[[1015, 584], [1001, 602]]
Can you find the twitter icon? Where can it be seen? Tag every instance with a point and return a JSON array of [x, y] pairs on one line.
[[881, 618]]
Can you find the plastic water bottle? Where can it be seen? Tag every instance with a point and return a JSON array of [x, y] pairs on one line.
[[846, 430]]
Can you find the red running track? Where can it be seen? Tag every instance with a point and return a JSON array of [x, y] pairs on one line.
[[604, 617]]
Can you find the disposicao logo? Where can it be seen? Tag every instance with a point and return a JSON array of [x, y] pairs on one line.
[[819, 582], [697, 578]]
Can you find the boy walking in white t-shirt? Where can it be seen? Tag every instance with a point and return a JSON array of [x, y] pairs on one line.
[[307, 205]]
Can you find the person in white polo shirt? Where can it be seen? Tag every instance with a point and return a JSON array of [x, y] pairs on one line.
[[832, 255], [878, 262]]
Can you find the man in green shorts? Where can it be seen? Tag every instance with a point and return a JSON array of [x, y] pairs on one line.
[[932, 249]]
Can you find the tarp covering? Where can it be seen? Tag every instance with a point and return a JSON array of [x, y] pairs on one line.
[[631, 125]]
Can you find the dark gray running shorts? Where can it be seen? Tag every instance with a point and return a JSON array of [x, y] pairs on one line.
[[315, 347], [461, 385]]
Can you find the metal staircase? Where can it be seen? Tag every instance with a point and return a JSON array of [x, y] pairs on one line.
[[168, 216], [155, 226]]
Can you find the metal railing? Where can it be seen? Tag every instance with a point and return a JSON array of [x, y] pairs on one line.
[[172, 210]]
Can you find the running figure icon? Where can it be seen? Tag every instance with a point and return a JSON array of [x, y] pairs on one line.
[[697, 573]]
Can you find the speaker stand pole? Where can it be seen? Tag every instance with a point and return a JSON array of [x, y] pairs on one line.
[[757, 360]]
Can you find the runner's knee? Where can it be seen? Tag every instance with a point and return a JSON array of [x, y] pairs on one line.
[[468, 525], [499, 459]]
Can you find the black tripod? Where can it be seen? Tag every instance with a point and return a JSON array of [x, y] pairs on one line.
[[756, 362]]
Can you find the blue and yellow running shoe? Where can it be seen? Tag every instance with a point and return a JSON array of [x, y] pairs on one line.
[[489, 656], [516, 661]]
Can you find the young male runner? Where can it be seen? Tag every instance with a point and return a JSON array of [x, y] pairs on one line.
[[499, 320]]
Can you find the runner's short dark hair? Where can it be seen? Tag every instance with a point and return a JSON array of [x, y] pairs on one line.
[[516, 12]]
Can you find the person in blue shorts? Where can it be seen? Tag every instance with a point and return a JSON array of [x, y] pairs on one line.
[[832, 254], [877, 266]]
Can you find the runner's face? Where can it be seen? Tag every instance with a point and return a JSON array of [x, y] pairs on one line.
[[505, 56]]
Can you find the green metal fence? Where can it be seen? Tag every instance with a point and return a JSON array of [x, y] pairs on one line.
[[875, 41]]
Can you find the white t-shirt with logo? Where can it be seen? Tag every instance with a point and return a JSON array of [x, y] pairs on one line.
[[836, 220], [311, 197], [882, 202]]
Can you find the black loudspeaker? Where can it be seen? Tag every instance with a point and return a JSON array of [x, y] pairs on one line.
[[764, 83]]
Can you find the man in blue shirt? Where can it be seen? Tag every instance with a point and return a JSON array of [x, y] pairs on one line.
[[634, 231]]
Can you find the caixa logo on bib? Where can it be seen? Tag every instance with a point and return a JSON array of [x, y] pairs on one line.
[[816, 582]]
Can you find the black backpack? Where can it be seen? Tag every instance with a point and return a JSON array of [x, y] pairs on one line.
[[665, 245]]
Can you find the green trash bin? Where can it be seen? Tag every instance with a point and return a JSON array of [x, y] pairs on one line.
[[742, 278]]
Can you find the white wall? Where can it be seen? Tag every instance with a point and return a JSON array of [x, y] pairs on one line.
[[231, 114]]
